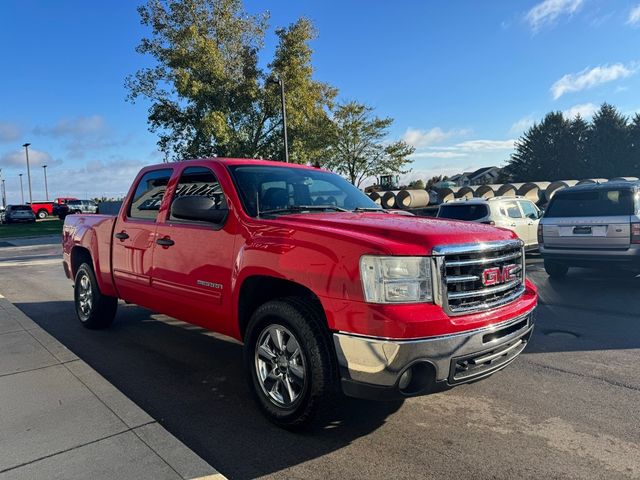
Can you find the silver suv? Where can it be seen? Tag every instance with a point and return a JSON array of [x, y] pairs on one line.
[[514, 213], [591, 226]]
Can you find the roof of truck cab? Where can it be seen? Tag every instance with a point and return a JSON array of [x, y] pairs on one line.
[[237, 161]]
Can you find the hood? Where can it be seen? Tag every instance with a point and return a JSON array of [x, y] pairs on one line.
[[400, 234]]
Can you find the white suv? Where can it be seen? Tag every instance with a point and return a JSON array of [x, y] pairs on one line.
[[515, 213]]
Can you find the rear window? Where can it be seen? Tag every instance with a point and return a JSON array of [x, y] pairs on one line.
[[21, 207], [463, 212], [592, 203]]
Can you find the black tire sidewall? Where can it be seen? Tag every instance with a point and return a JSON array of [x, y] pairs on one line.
[[282, 313], [85, 270]]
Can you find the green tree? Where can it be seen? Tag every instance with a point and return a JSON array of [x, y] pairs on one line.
[[548, 151], [607, 146], [356, 146], [416, 185], [208, 94], [634, 146], [435, 179]]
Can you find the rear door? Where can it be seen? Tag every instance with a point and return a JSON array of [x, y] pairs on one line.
[[511, 217], [531, 216], [590, 219], [193, 260], [134, 235]]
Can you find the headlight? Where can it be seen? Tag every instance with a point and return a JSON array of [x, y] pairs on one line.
[[396, 279]]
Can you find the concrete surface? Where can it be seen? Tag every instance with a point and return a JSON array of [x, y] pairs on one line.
[[567, 408], [59, 419]]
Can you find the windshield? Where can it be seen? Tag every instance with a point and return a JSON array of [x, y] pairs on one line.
[[463, 212], [591, 203], [272, 188]]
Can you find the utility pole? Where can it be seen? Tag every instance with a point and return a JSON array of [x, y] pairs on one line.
[[21, 189], [46, 187], [284, 122], [26, 151], [3, 192]]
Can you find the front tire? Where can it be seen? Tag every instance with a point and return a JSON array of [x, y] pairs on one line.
[[555, 269], [94, 310], [291, 365]]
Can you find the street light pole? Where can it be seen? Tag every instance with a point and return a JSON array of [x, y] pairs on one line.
[[21, 189], [284, 121], [26, 151], [4, 195], [46, 187]]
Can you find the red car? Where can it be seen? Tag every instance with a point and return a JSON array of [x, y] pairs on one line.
[[326, 290]]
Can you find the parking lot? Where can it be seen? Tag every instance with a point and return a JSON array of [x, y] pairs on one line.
[[567, 408]]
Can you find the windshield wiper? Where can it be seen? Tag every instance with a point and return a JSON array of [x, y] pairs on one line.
[[303, 208], [369, 209]]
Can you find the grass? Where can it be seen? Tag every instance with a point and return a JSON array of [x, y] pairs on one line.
[[41, 228]]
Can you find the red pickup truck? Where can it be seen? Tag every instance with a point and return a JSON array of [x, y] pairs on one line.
[[43, 209], [328, 292]]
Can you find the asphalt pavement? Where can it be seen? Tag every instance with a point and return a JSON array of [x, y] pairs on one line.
[[567, 408]]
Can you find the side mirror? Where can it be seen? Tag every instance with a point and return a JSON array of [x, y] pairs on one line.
[[199, 208]]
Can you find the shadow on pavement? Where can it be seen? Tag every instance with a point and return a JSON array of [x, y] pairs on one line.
[[194, 385]]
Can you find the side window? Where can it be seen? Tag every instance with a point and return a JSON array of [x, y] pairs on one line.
[[529, 209], [148, 195], [510, 209], [200, 181]]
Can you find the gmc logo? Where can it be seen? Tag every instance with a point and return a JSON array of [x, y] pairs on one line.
[[497, 275]]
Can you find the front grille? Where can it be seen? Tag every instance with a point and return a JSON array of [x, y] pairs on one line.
[[472, 276]]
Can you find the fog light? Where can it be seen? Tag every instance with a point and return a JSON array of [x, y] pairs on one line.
[[405, 379]]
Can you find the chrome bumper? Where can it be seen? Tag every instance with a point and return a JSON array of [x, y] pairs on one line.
[[457, 358]]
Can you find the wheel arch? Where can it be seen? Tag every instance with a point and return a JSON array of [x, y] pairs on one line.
[[256, 290]]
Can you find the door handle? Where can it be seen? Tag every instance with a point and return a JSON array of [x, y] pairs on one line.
[[165, 242], [121, 235], [512, 225]]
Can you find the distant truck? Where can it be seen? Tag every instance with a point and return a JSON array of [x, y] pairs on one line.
[[327, 291], [43, 209]]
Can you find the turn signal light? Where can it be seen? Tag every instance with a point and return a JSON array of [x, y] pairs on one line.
[[635, 233]]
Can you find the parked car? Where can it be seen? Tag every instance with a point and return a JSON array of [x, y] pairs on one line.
[[59, 202], [77, 206], [514, 213], [593, 225], [17, 214], [324, 296]]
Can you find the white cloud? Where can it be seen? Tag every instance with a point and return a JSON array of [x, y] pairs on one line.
[[546, 12], [422, 138], [9, 132], [521, 125], [485, 145], [74, 127], [585, 110], [634, 16], [591, 77], [439, 154], [37, 158]]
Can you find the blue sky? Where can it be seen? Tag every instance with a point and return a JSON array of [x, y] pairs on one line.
[[461, 79]]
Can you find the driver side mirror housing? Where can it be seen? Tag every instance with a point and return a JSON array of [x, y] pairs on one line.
[[200, 209]]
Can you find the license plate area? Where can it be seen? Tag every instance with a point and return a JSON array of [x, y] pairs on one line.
[[582, 231]]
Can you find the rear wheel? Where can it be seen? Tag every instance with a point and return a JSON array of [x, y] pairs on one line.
[[42, 214], [94, 310], [291, 366], [555, 269]]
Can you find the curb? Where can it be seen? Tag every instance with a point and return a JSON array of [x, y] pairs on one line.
[[176, 455]]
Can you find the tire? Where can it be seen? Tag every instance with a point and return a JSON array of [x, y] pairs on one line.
[[292, 384], [96, 310], [42, 214], [555, 269]]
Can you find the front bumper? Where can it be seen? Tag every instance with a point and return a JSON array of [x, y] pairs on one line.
[[372, 367]]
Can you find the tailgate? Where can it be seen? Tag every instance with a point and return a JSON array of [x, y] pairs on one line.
[[593, 233]]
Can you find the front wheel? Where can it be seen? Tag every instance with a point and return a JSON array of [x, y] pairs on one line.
[[555, 269], [291, 365], [94, 310]]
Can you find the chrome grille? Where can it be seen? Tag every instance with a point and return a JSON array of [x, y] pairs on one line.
[[462, 267]]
